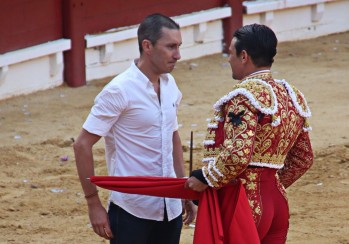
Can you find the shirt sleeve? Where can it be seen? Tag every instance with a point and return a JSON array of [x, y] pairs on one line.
[[236, 151], [298, 160], [106, 110]]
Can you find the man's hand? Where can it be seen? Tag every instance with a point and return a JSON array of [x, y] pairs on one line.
[[99, 220], [195, 184], [189, 210]]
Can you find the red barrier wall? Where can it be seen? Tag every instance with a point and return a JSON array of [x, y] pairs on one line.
[[24, 23], [103, 15], [92, 16], [230, 25]]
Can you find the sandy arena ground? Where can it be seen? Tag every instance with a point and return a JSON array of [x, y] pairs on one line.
[[40, 196]]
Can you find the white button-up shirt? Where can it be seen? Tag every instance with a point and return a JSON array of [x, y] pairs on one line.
[[138, 132]]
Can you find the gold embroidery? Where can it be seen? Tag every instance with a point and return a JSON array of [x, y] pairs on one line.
[[251, 186], [253, 140], [211, 152], [251, 181]]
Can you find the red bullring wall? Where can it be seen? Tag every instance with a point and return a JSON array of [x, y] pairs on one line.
[[25, 23]]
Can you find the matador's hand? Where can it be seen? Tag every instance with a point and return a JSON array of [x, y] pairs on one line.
[[194, 184]]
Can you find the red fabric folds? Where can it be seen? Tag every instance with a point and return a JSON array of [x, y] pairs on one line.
[[147, 185], [208, 226], [237, 216], [224, 216]]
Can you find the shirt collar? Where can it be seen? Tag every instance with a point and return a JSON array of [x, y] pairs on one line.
[[142, 77], [261, 74]]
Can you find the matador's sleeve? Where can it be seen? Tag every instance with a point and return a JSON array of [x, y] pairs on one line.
[[298, 160], [239, 132]]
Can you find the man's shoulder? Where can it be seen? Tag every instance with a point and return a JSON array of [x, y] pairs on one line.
[[258, 93], [256, 87], [121, 80], [297, 98]]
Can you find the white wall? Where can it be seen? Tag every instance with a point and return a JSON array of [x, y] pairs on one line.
[[32, 69], [110, 53], [299, 19]]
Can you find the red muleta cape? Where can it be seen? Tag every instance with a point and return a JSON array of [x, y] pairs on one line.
[[224, 216]]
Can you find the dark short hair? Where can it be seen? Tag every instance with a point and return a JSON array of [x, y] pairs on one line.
[[151, 28], [259, 41]]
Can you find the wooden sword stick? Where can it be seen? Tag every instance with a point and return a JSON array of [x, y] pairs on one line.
[[191, 153]]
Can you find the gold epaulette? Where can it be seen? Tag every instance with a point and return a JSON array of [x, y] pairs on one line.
[[259, 93], [299, 102]]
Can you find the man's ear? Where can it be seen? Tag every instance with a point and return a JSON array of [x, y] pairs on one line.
[[243, 56], [146, 45]]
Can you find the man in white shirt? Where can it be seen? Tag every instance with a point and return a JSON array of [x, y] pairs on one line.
[[136, 113]]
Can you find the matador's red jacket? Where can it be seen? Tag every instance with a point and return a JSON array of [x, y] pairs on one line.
[[261, 122]]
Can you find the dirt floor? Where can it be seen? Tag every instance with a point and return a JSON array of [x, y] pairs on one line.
[[40, 196]]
